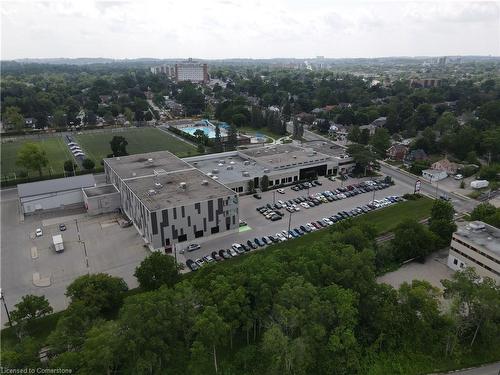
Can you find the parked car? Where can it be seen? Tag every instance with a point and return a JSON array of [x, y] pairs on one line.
[[39, 232], [192, 265], [224, 254], [245, 247], [232, 252], [280, 237], [62, 227], [257, 196], [193, 247], [458, 177], [281, 191], [259, 242], [252, 245], [216, 256], [199, 262], [208, 259]]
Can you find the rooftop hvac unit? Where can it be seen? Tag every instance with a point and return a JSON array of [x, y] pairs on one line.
[[204, 182], [266, 170], [150, 160], [118, 158], [158, 185], [151, 192], [247, 162], [209, 174], [183, 185], [222, 161], [220, 165], [258, 152], [245, 174], [134, 174], [294, 156], [254, 163], [232, 163], [229, 167], [195, 163], [215, 177], [215, 171]]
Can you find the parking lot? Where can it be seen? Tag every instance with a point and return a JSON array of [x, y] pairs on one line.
[[259, 226], [30, 264]]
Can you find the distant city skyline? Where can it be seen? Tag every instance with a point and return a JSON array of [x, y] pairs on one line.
[[224, 29]]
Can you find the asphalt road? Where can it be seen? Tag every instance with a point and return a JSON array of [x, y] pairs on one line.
[[492, 369]]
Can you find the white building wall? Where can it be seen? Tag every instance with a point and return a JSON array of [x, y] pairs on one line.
[[51, 201]]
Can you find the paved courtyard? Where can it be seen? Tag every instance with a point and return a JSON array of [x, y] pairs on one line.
[[92, 245]]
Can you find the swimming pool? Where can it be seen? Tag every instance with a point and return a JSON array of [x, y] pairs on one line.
[[208, 130]]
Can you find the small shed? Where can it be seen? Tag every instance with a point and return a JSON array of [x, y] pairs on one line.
[[434, 175]]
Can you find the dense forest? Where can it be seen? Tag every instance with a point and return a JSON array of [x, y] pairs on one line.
[[311, 306]]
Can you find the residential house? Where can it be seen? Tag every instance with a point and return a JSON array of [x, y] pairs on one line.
[[446, 165], [371, 128], [416, 155], [397, 151], [379, 122]]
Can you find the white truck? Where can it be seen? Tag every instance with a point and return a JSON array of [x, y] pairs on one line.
[[479, 184], [58, 243]]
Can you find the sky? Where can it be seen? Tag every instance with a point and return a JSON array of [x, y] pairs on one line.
[[214, 29]]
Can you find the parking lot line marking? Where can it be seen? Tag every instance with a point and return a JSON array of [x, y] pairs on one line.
[[34, 252]]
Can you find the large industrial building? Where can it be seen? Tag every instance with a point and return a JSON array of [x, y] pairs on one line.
[[282, 164], [168, 200], [476, 245]]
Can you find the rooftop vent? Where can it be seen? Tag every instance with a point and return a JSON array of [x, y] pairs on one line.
[[258, 152], [232, 163], [134, 174], [195, 163], [158, 185], [182, 185], [229, 167], [215, 171], [221, 161], [204, 182], [247, 162], [245, 174], [266, 170], [477, 225], [118, 158], [151, 192], [294, 156], [215, 177], [220, 165], [150, 160]]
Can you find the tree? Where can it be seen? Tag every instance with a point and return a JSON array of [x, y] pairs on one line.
[[424, 116], [218, 146], [362, 156], [100, 291], [264, 182], [447, 122], [118, 146], [287, 111], [31, 307], [129, 115], [257, 120], [31, 156], [354, 134], [381, 141], [298, 129], [412, 240], [210, 331], [59, 118], [88, 164], [232, 138], [251, 186], [156, 270], [70, 167], [441, 222], [14, 117]]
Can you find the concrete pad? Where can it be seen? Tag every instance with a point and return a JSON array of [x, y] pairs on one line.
[[34, 252], [40, 282], [62, 219], [108, 224]]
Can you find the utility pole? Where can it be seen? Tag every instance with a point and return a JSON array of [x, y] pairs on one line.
[[5, 306], [289, 223], [274, 196]]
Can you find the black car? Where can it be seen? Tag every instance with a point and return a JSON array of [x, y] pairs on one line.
[[62, 227], [192, 265], [259, 242], [296, 200], [245, 247], [257, 196], [274, 239], [223, 253], [275, 218], [295, 188], [264, 240], [320, 223], [251, 244]]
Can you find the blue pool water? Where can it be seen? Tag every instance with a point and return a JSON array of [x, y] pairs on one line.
[[208, 130]]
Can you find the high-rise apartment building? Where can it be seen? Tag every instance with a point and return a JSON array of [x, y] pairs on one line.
[[192, 71]]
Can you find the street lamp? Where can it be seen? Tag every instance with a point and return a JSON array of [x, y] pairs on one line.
[[5, 306]]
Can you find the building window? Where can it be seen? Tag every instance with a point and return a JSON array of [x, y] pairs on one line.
[[289, 179], [276, 182], [214, 230], [198, 234], [182, 238], [455, 261], [295, 178], [271, 182]]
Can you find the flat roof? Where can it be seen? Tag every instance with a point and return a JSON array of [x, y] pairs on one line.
[[53, 186], [141, 165], [169, 192], [481, 234], [284, 156], [325, 147], [100, 190], [236, 164]]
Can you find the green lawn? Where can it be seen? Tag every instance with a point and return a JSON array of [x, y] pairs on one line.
[[251, 131], [55, 148], [96, 145]]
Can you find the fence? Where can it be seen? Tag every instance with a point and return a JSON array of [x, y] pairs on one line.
[[13, 180]]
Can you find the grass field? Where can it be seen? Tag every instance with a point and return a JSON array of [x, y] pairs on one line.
[[55, 148], [96, 145]]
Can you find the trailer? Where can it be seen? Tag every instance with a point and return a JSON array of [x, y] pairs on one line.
[[58, 243], [479, 184]]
